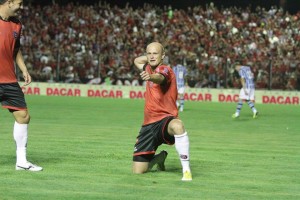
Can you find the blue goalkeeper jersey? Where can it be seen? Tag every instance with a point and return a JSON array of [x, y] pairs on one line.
[[180, 72], [246, 73]]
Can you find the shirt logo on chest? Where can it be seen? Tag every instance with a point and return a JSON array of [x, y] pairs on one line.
[[166, 71], [15, 34], [150, 84]]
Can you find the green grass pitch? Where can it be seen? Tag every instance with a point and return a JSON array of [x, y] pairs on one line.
[[85, 146]]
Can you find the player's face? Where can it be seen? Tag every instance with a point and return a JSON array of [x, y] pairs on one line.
[[154, 55], [237, 67], [15, 7]]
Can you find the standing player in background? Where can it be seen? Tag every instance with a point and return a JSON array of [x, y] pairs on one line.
[[247, 92], [180, 72], [11, 95], [161, 123]]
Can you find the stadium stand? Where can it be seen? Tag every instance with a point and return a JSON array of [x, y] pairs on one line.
[[96, 44]]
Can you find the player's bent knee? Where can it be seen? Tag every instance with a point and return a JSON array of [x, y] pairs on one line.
[[139, 167], [176, 127], [22, 117]]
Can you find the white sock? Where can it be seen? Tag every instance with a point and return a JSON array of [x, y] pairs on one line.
[[20, 136], [182, 146]]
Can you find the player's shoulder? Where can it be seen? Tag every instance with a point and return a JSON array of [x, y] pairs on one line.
[[243, 68], [164, 68]]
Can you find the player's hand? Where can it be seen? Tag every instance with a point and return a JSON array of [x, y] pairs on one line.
[[145, 75], [27, 78]]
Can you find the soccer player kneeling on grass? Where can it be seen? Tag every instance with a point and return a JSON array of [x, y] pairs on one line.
[[161, 123]]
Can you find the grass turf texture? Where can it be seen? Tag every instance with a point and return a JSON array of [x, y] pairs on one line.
[[85, 146]]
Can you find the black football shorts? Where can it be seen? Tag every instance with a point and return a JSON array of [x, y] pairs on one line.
[[12, 97], [150, 137]]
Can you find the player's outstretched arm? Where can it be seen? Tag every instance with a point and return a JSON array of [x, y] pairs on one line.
[[155, 78], [140, 61]]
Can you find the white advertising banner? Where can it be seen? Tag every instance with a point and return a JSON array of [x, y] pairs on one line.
[[135, 92]]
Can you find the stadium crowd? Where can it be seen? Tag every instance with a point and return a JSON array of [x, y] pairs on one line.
[[96, 44]]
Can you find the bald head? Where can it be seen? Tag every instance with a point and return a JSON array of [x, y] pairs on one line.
[[157, 45], [155, 54]]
